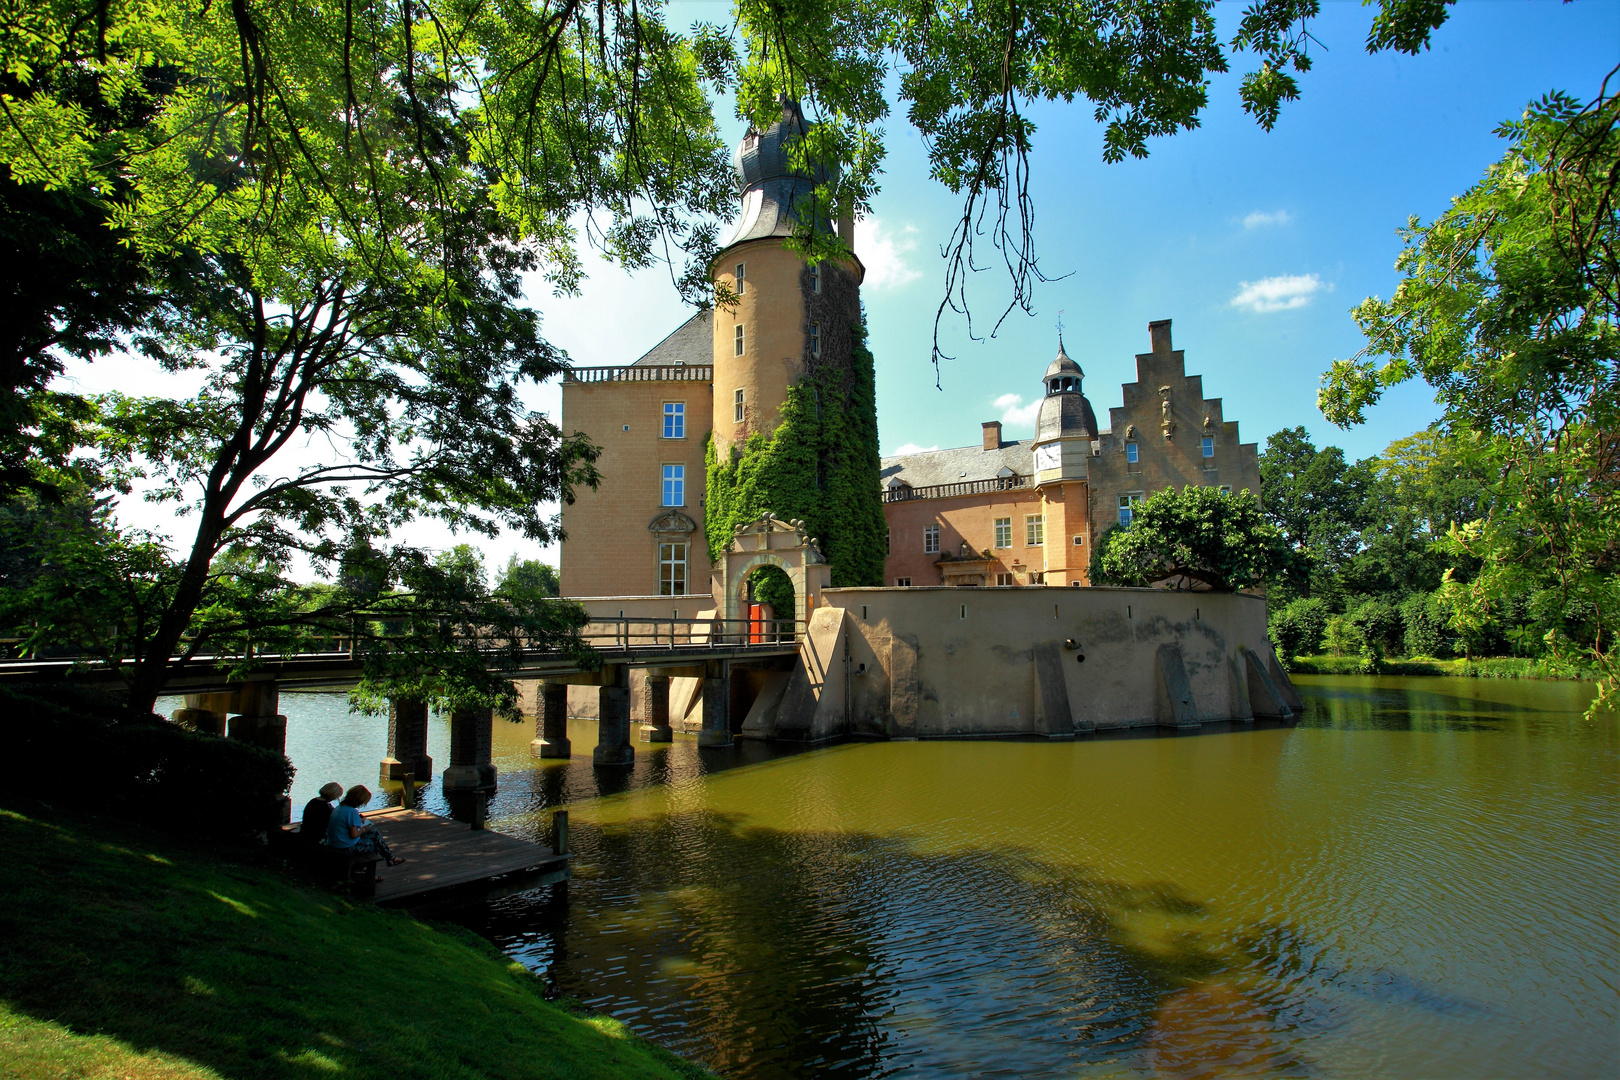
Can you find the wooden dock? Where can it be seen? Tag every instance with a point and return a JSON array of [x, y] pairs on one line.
[[446, 860], [449, 862]]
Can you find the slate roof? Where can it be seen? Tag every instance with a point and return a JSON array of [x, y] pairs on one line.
[[770, 188], [949, 466], [691, 343]]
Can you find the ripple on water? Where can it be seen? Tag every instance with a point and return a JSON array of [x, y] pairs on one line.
[[1417, 880]]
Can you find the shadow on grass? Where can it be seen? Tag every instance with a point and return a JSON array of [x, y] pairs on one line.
[[107, 930]]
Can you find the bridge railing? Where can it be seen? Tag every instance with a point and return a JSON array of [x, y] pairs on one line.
[[630, 632]]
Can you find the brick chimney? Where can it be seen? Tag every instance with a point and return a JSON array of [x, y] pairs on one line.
[[1161, 335], [992, 434]]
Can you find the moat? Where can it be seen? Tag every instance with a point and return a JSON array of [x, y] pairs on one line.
[[1417, 879]]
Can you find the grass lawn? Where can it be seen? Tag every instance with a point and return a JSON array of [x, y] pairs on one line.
[[125, 953]]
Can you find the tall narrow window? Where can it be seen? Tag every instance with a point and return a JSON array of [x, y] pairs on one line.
[[737, 407], [1209, 446], [738, 338], [671, 569], [1130, 447], [815, 339], [741, 279], [1127, 504], [1004, 532], [674, 485], [888, 541], [674, 419], [931, 539], [1034, 530], [815, 278]]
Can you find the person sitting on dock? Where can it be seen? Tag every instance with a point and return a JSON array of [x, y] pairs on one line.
[[348, 831], [318, 814]]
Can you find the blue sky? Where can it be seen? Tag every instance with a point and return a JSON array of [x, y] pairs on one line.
[[1256, 244]]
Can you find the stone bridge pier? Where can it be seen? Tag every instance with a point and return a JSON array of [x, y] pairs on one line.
[[551, 725], [613, 728], [472, 737], [407, 742]]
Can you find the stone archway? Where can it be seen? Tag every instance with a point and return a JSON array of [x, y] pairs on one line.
[[770, 541]]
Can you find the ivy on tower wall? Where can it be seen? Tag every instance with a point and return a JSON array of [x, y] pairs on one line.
[[820, 465]]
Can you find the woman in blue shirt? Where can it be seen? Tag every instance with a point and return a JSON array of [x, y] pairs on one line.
[[348, 831]]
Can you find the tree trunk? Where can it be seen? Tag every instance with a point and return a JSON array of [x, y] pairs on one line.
[[152, 669]]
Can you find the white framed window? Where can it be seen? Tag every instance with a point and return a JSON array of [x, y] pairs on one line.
[[1034, 530], [737, 336], [671, 569], [1226, 489], [674, 419], [737, 406], [1130, 447], [1004, 532], [930, 539], [815, 339], [815, 278], [1080, 541], [902, 583], [1074, 584], [1127, 507], [1005, 579], [741, 278], [674, 485], [1209, 446], [888, 541]]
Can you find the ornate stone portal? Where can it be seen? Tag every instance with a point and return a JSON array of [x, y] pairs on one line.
[[770, 541]]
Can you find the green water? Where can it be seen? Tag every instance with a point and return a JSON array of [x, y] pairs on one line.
[[1419, 879]]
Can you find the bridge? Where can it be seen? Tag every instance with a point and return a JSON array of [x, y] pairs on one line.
[[246, 706]]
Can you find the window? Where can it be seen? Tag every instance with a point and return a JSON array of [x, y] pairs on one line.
[[902, 583], [815, 339], [1130, 447], [1226, 489], [674, 419], [1080, 541], [737, 404], [739, 340], [1004, 532], [888, 541], [674, 485], [1209, 446], [741, 281], [815, 278], [1127, 504], [1034, 530], [930, 539], [1005, 579], [671, 569]]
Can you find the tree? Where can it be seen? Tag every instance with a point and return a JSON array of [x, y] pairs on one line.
[[1194, 536], [1318, 503], [1509, 309], [527, 579]]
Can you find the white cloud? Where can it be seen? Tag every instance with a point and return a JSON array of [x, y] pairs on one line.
[[1016, 414], [1258, 218], [883, 250], [1279, 293], [912, 448]]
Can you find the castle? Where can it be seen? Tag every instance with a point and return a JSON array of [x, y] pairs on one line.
[[1000, 513]]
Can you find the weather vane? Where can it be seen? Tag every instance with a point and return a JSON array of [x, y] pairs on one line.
[[1060, 326]]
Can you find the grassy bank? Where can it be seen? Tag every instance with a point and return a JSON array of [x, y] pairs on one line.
[[127, 954], [1490, 667]]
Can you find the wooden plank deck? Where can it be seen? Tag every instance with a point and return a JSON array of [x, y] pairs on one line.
[[444, 856]]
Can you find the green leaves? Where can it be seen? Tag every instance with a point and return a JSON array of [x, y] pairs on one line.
[[1190, 537], [1509, 309]]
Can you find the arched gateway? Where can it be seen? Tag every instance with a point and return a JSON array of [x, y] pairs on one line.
[[770, 541]]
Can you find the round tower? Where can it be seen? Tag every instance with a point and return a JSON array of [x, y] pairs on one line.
[[1065, 428], [788, 318]]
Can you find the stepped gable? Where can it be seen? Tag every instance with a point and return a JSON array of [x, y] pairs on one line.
[[690, 343], [958, 465]]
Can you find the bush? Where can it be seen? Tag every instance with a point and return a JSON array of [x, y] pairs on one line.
[[1339, 637], [140, 767], [1297, 629], [1427, 626]]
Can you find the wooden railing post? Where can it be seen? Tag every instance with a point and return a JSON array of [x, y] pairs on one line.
[[559, 832]]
